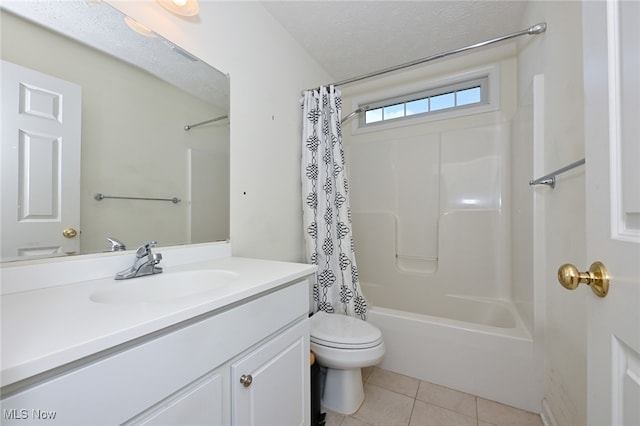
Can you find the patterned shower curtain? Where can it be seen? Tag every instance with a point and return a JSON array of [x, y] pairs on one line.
[[327, 215]]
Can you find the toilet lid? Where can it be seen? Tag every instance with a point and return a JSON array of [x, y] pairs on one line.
[[341, 331]]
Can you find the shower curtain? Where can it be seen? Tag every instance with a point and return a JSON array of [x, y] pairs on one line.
[[327, 215]]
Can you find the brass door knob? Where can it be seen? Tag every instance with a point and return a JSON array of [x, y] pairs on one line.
[[69, 233], [597, 278]]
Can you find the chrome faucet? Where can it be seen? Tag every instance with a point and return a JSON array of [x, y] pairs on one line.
[[145, 263], [116, 245]]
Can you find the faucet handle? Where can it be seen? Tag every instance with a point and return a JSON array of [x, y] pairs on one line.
[[145, 249]]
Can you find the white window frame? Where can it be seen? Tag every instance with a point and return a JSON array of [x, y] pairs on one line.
[[398, 94]]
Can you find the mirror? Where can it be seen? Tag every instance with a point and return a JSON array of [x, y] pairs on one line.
[[137, 95]]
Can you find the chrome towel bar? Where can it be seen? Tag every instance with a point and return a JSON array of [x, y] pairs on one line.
[[100, 197], [213, 120], [550, 179]]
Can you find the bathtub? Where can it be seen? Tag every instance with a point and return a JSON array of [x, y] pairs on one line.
[[431, 216], [477, 346]]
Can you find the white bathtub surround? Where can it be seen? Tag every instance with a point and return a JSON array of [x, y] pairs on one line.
[[326, 211], [433, 225], [447, 317], [431, 211]]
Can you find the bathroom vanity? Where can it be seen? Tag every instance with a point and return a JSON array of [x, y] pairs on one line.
[[228, 345]]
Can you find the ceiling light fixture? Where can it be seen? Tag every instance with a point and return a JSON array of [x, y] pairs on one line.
[[181, 7], [138, 27]]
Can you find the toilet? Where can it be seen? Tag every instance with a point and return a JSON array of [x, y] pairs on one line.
[[344, 345]]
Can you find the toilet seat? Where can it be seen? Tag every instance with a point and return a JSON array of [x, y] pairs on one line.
[[343, 332], [344, 345]]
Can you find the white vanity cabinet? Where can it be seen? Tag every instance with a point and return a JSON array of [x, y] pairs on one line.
[[201, 403], [187, 374], [270, 385]]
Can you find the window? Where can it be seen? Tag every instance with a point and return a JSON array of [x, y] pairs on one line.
[[453, 96]]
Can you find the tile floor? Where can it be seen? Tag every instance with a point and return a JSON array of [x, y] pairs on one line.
[[392, 399]]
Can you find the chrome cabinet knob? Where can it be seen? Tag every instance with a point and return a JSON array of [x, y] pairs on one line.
[[246, 380]]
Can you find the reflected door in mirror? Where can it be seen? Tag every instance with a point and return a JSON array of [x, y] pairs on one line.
[[41, 127]]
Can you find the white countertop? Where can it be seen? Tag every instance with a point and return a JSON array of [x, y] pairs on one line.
[[47, 328]]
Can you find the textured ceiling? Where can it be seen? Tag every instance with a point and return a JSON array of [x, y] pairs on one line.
[[102, 27], [351, 38], [348, 38]]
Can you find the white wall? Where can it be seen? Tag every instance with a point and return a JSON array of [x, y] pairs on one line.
[[268, 71], [558, 55]]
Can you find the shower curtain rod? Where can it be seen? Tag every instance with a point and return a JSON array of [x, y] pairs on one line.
[[534, 29], [191, 126]]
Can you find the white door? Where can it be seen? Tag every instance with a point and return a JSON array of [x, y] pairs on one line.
[[611, 51], [40, 163]]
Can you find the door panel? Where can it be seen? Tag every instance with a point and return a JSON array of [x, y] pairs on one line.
[[612, 92], [41, 132]]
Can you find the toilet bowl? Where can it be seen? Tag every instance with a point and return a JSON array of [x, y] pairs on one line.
[[344, 345]]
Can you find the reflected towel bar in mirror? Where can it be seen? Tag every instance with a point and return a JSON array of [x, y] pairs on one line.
[[100, 197], [191, 126]]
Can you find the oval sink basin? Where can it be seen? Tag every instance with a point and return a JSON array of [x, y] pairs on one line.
[[165, 286]]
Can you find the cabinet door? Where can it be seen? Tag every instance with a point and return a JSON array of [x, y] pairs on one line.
[[198, 404], [270, 385]]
